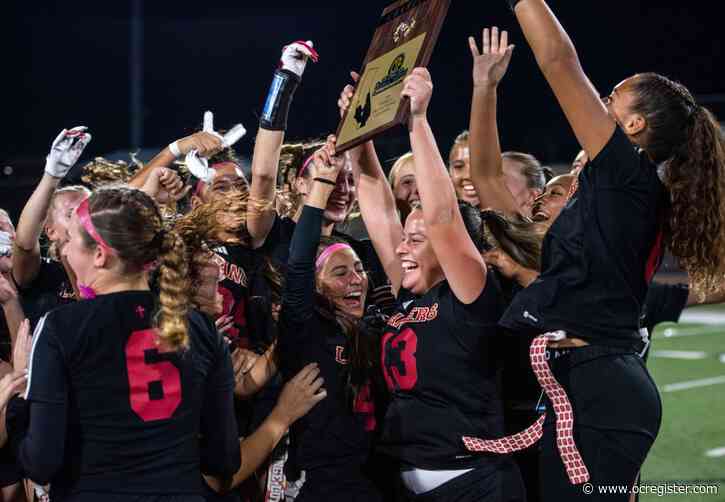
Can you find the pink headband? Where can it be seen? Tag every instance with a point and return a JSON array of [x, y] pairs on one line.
[[304, 166], [328, 251], [85, 218]]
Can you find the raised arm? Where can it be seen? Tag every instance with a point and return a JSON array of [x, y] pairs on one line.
[[376, 200], [298, 296], [272, 126], [489, 67], [461, 262], [560, 65], [64, 153]]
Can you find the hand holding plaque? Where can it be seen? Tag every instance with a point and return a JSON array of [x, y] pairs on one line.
[[404, 39]]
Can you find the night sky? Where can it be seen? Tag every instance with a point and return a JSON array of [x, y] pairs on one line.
[[68, 64]]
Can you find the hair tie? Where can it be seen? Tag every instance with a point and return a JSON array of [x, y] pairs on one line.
[[85, 219], [306, 163], [327, 252]]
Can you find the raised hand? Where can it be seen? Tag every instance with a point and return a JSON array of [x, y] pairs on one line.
[[164, 185], [418, 87], [343, 102], [66, 150], [197, 163], [295, 56], [490, 65], [325, 164]]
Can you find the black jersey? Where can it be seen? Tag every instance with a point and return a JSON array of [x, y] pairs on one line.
[[600, 254], [440, 363], [110, 413], [237, 263], [50, 289], [331, 435], [664, 303]]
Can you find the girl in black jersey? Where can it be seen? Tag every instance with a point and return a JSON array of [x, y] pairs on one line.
[[600, 254], [322, 306], [438, 350], [120, 386]]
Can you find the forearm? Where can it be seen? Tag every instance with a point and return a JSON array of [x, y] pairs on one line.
[[486, 163], [437, 194], [265, 163], [548, 40], [32, 218], [163, 159], [257, 377], [257, 448], [14, 315]]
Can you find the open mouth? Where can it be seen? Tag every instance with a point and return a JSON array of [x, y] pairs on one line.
[[408, 266], [469, 190], [353, 299], [539, 215]]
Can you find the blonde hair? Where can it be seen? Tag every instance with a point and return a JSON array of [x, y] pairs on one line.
[[398, 165]]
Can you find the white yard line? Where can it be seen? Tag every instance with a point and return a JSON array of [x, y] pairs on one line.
[[715, 452], [679, 354], [677, 331], [673, 387], [703, 317]]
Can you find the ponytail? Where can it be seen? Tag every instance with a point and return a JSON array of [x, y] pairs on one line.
[[173, 292]]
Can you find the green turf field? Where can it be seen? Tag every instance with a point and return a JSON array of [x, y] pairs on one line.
[[688, 363]]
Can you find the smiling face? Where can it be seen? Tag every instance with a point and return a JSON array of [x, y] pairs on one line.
[[6, 225], [341, 199], [548, 205], [459, 167], [59, 216], [227, 177], [405, 187], [421, 269], [342, 280]]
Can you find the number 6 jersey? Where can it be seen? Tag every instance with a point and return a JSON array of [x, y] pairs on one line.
[[439, 360], [108, 412]]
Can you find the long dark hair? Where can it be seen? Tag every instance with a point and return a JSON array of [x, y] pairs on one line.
[[363, 338], [687, 139]]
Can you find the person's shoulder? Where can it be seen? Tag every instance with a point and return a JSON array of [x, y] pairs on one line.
[[203, 333]]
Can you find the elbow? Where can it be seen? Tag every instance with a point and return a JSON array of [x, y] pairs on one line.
[[559, 56]]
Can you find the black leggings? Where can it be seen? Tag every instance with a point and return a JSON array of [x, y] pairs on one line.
[[617, 415]]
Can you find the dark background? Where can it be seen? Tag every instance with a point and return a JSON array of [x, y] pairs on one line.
[[68, 63]]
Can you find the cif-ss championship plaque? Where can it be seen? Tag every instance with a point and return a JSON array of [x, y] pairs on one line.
[[404, 39]]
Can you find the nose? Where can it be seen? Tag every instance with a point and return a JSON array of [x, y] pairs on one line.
[[357, 277], [402, 248]]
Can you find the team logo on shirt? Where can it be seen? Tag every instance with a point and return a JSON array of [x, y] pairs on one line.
[[232, 272], [340, 355], [417, 314]]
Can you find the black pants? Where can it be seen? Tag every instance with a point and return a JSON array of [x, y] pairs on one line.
[[617, 415], [337, 484], [125, 497], [500, 484]]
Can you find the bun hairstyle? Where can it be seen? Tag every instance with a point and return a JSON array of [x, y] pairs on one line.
[[686, 138], [130, 223]]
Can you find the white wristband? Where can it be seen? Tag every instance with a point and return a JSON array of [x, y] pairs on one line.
[[174, 148]]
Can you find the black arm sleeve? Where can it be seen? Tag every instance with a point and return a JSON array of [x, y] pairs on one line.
[[298, 297], [220, 445], [38, 441]]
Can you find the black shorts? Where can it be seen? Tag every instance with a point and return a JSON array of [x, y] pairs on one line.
[[9, 470], [126, 497], [617, 415], [350, 485], [501, 484]]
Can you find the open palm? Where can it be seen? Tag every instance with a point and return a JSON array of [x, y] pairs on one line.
[[490, 65]]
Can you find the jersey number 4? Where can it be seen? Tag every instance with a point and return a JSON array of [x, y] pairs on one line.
[[155, 386], [399, 364]]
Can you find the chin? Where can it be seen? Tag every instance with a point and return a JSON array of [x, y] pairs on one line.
[[336, 215]]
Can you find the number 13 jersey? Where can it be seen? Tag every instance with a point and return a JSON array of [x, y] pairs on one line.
[[129, 413], [439, 362]]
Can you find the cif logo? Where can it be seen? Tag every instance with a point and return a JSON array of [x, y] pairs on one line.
[[396, 74]]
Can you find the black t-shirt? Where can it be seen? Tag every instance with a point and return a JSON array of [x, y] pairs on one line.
[[600, 253], [50, 289], [330, 436], [110, 413], [441, 365], [664, 303]]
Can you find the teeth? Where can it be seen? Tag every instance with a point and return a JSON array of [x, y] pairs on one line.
[[354, 295]]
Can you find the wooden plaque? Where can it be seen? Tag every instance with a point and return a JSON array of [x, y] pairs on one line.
[[404, 39]]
